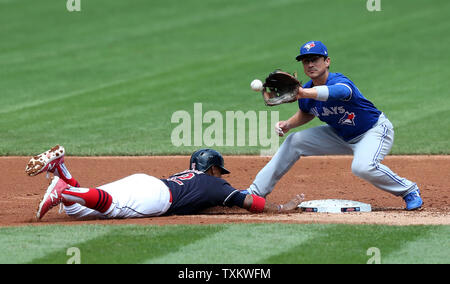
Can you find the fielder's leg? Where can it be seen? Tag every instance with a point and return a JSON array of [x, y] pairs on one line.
[[321, 140], [370, 150]]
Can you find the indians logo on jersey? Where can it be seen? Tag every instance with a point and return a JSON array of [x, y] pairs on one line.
[[348, 118], [310, 45]]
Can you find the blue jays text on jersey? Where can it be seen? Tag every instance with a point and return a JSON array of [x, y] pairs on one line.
[[349, 117], [193, 191]]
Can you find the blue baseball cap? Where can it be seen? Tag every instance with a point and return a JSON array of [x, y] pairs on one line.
[[312, 47]]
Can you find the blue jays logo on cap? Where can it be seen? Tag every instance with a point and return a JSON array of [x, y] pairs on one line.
[[312, 47], [309, 45]]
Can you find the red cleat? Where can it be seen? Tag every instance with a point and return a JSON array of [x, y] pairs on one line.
[[52, 197]]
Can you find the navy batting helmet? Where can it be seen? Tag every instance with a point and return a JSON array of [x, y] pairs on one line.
[[204, 159]]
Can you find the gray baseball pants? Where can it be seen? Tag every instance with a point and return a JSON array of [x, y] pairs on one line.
[[368, 150]]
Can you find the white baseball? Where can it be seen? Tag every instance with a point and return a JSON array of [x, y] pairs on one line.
[[256, 85]]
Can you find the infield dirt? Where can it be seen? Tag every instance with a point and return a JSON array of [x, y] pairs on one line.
[[316, 177]]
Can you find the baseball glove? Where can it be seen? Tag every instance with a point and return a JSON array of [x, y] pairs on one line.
[[283, 88]]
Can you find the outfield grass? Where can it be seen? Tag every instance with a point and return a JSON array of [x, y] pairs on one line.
[[226, 244], [106, 80]]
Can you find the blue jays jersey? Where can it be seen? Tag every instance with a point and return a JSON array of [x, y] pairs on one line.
[[193, 191], [349, 117]]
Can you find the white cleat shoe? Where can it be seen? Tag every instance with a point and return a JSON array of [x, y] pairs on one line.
[[46, 161]]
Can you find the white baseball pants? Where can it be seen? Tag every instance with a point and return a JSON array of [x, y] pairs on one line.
[[135, 196]]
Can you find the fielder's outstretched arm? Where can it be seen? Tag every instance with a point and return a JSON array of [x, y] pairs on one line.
[[326, 93]]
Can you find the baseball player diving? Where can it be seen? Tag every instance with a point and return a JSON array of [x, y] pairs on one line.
[[353, 126], [142, 195]]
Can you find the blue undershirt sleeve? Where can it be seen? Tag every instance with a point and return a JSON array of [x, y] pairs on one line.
[[339, 92]]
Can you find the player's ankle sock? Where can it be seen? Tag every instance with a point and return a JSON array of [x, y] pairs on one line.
[[63, 173], [93, 198]]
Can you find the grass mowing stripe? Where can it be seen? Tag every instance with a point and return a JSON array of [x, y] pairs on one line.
[[239, 244], [231, 243], [133, 244], [421, 125], [431, 248], [350, 244], [23, 244]]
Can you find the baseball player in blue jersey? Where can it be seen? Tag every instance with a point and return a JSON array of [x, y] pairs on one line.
[[353, 126], [142, 195]]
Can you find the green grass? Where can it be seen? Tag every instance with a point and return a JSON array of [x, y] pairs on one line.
[[106, 80], [226, 244]]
